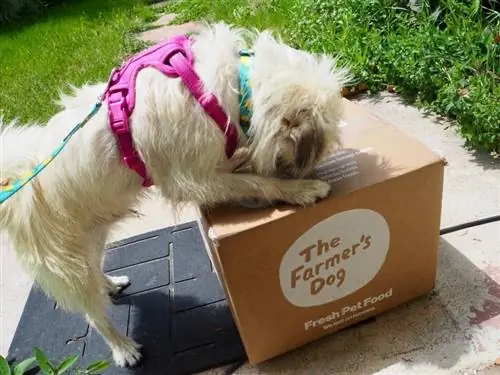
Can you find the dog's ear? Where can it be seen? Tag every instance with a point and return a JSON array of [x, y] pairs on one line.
[[309, 144]]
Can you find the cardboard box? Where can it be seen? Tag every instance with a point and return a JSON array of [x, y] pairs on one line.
[[293, 275]]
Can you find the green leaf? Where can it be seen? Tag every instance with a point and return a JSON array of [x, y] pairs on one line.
[[97, 367], [23, 366], [66, 364], [4, 366], [43, 362]]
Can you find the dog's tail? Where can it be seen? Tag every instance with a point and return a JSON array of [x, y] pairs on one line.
[[18, 148], [26, 217]]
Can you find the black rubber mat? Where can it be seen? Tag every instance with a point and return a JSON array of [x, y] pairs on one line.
[[175, 307]]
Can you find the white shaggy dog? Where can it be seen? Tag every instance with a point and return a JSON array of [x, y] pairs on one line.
[[60, 221]]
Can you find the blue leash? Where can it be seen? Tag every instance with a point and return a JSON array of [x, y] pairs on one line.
[[10, 186]]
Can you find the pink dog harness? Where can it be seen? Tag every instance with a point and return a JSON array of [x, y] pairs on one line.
[[174, 58]]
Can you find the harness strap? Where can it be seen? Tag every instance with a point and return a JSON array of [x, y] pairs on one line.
[[208, 101], [173, 58], [10, 186]]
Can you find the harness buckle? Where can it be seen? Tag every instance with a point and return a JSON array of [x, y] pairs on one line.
[[118, 112], [123, 89]]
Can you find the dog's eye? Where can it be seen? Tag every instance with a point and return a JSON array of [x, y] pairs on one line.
[[285, 122], [289, 124]]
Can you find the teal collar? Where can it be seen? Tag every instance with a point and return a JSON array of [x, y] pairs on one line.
[[246, 104]]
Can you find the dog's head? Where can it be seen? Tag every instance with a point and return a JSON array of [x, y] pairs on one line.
[[297, 105]]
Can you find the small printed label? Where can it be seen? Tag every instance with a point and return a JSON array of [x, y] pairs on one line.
[[340, 165], [348, 312], [334, 258]]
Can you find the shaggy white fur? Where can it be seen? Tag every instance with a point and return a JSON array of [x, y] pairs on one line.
[[59, 223]]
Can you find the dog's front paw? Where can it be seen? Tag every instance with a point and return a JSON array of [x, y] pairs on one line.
[[310, 191]]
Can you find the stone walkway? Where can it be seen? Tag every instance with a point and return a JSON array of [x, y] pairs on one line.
[[164, 29]]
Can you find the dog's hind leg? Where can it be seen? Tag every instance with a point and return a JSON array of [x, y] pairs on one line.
[[95, 302], [125, 350], [115, 284], [78, 283], [89, 295]]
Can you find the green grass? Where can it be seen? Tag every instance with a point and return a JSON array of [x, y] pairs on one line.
[[448, 63], [79, 42]]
